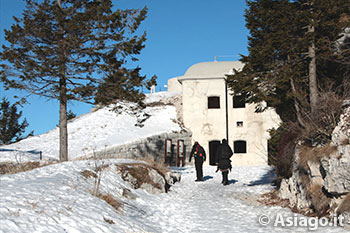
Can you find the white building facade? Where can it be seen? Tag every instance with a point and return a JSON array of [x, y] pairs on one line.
[[212, 112]]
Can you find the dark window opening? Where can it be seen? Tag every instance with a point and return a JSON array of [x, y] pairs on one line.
[[213, 147], [239, 101], [239, 123], [240, 146], [214, 102]]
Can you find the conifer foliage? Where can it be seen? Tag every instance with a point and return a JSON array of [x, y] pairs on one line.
[[11, 129], [294, 52], [65, 51], [298, 63]]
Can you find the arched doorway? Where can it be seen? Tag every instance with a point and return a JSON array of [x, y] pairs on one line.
[[213, 146]]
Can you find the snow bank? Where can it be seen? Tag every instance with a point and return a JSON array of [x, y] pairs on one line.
[[97, 131]]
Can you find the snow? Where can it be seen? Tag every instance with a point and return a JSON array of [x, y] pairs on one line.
[[58, 198], [96, 131]]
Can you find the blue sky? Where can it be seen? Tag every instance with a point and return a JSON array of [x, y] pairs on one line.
[[179, 34]]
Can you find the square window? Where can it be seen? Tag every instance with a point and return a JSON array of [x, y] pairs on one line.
[[239, 101], [239, 123], [240, 147], [214, 102]]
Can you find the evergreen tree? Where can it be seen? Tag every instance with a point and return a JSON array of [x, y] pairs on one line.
[[11, 129], [277, 68], [151, 82], [63, 51], [120, 85], [71, 115]]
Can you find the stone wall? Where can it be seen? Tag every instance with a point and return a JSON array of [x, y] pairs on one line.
[[153, 146]]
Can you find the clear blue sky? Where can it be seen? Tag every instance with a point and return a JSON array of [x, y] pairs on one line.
[[179, 34]]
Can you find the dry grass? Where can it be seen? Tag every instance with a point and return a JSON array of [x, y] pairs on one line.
[[346, 141], [140, 172], [87, 174], [12, 168], [109, 221], [110, 200], [320, 202], [272, 199], [344, 206], [314, 154], [159, 166]]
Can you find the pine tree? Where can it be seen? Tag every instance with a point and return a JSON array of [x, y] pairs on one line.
[[151, 82], [289, 42], [11, 129], [71, 115], [120, 85], [63, 51]]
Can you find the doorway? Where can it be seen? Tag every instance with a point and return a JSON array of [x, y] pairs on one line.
[[213, 147]]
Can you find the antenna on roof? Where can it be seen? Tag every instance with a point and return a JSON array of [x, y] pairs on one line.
[[224, 56]]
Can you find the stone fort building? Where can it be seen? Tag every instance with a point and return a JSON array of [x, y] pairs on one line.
[[212, 112]]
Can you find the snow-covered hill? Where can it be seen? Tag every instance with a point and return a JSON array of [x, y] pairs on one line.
[[97, 131]]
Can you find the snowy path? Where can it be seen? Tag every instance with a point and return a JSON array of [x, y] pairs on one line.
[[57, 198], [211, 207]]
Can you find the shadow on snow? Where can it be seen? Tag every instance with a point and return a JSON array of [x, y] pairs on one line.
[[267, 178]]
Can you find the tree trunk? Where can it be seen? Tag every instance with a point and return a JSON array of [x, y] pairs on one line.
[[63, 122], [312, 70], [313, 79], [296, 105], [63, 96]]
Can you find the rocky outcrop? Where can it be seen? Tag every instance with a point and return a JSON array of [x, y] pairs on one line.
[[144, 176], [320, 179], [337, 175]]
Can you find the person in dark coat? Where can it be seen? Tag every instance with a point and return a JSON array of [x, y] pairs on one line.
[[198, 153], [223, 155]]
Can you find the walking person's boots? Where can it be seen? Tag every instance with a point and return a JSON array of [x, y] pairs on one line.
[[225, 177]]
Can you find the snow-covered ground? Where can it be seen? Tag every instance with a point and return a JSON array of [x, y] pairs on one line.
[[96, 131], [57, 198]]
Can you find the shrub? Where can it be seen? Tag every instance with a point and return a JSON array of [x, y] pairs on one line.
[[282, 148], [110, 200]]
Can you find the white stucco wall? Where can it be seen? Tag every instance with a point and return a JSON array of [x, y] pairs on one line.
[[210, 124], [205, 124], [203, 80], [174, 85], [254, 132]]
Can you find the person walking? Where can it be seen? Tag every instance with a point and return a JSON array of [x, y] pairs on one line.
[[223, 155], [198, 153]]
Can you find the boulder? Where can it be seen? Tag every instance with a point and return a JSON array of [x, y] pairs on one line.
[[144, 177], [172, 178], [337, 175]]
